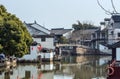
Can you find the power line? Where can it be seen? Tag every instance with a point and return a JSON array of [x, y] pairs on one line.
[[113, 6], [108, 12]]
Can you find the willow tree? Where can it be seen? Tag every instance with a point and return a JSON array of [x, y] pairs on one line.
[[14, 37]]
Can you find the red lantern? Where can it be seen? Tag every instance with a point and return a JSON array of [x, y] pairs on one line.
[[39, 47], [32, 48]]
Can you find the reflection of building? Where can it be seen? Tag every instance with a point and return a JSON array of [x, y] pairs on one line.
[[42, 71], [46, 67], [75, 59], [67, 70], [6, 72], [80, 59], [93, 68], [63, 76]]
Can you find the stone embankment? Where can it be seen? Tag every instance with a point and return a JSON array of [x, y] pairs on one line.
[[88, 51]]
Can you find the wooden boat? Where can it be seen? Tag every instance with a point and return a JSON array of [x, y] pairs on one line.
[[114, 66], [114, 70]]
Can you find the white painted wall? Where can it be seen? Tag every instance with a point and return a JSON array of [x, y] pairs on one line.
[[105, 49], [114, 36], [118, 54], [49, 43], [102, 27], [67, 34], [47, 55], [33, 54]]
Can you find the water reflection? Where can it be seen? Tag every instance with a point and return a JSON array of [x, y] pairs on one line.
[[87, 67], [80, 67]]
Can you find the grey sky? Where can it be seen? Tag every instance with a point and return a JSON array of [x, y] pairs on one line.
[[59, 13]]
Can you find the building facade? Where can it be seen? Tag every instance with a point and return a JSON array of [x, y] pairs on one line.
[[40, 35], [61, 32], [108, 34]]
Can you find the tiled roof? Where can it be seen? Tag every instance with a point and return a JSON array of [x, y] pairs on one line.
[[30, 24], [59, 31], [39, 36], [116, 18], [37, 27]]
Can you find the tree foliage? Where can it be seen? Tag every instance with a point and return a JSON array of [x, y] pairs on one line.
[[83, 26], [14, 37], [63, 40]]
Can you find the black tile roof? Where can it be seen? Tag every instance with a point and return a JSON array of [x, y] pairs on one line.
[[30, 25], [116, 18], [59, 31]]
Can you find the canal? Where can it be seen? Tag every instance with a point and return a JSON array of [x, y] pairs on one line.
[[71, 67]]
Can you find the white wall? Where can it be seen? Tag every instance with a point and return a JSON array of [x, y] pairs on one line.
[[68, 34], [33, 54], [47, 55], [118, 54], [105, 49], [114, 36], [49, 43]]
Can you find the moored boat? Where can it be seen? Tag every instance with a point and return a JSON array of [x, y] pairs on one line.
[[2, 60], [114, 70]]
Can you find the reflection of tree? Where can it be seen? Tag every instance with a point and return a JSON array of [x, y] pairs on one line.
[[27, 75], [80, 59], [7, 75], [86, 71]]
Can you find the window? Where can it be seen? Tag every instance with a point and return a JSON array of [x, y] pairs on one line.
[[43, 39], [116, 18], [112, 32], [118, 34]]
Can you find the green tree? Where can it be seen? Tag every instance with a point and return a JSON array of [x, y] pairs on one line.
[[77, 26], [83, 26], [63, 40], [14, 37]]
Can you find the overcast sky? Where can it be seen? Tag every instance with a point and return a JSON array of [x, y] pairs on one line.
[[59, 13]]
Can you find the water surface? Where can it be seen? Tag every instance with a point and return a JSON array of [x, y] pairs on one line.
[[71, 67]]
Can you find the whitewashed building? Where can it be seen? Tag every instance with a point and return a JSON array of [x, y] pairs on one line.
[[41, 35], [112, 26], [109, 33]]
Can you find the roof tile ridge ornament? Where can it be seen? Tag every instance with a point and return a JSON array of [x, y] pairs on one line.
[[35, 22]]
